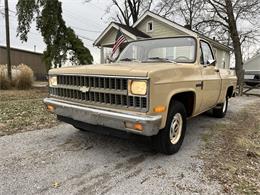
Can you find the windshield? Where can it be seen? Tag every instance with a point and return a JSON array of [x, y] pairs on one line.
[[178, 50]]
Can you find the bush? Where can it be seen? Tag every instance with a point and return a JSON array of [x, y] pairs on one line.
[[5, 83], [24, 77]]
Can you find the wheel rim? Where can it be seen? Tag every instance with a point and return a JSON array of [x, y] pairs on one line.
[[176, 128], [224, 106]]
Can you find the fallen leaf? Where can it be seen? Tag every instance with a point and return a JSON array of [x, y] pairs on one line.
[[56, 184]]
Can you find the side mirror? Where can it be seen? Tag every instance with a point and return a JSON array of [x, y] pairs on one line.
[[212, 62]]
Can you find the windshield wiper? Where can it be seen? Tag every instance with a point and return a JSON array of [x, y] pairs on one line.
[[128, 59], [162, 59]]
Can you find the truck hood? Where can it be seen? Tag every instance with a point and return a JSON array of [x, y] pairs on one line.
[[123, 69]]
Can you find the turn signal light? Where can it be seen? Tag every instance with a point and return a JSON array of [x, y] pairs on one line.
[[136, 126], [50, 108], [159, 109]]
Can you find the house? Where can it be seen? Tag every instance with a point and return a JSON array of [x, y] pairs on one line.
[[151, 25], [252, 66], [33, 59]]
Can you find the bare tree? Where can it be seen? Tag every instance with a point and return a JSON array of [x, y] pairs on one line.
[[187, 10], [128, 11], [167, 8], [233, 20]]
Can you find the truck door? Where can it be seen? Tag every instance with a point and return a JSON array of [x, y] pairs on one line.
[[211, 80]]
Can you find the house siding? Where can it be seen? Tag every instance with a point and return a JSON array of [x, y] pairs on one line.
[[110, 37], [159, 29], [253, 64], [222, 58]]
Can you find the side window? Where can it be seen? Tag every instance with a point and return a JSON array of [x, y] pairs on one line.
[[206, 53]]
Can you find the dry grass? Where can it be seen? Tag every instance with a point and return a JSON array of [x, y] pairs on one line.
[[22, 77], [4, 81], [232, 152], [23, 110]]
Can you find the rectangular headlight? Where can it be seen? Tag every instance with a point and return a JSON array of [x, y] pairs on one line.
[[138, 87], [53, 81]]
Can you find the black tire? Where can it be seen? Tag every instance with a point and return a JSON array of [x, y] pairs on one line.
[[79, 128], [220, 110], [162, 141]]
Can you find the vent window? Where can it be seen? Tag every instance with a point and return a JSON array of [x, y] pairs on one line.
[[150, 26]]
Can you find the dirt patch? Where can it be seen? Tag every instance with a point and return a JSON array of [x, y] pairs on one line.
[[232, 151], [23, 110]]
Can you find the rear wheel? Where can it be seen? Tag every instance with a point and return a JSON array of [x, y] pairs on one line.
[[220, 110], [169, 139]]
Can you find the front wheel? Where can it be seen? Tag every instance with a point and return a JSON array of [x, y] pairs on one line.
[[169, 139], [79, 128], [220, 110]]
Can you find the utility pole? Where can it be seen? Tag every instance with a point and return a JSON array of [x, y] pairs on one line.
[[8, 56]]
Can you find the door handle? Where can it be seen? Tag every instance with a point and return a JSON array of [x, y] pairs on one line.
[[201, 84]]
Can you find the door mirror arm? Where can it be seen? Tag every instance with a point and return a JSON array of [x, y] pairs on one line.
[[212, 62]]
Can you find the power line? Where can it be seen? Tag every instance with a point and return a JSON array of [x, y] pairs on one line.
[[70, 16], [78, 28], [12, 11], [14, 19], [73, 16], [94, 31], [32, 33], [96, 6], [86, 38]]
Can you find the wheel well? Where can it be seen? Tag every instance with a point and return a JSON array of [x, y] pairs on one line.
[[188, 99], [230, 91]]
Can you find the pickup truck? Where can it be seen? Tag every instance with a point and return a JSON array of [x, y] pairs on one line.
[[152, 89]]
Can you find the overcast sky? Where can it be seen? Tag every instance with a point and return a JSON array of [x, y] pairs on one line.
[[84, 18]]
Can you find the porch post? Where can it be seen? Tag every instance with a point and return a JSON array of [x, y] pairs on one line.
[[102, 59]]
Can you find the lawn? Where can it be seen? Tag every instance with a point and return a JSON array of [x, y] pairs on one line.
[[232, 152], [23, 110]]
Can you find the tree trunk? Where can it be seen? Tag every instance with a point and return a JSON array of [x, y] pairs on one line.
[[236, 45]]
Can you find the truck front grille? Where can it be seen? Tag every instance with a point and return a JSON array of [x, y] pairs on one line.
[[100, 91]]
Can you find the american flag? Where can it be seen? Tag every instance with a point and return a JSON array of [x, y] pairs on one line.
[[120, 38]]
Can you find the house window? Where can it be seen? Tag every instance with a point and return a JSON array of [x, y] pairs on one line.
[[150, 26]]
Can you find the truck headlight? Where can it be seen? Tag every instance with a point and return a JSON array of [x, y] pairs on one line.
[[52, 81], [138, 87]]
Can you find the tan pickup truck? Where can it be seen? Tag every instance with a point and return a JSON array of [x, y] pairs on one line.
[[152, 89]]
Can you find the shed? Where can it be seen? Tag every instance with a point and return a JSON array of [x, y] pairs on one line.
[[33, 59]]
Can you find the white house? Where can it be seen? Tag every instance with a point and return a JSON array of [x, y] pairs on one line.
[[252, 66], [151, 25]]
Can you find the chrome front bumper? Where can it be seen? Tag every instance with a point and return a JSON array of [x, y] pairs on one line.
[[94, 116]]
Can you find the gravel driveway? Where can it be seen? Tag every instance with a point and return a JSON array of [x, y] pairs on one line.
[[63, 160]]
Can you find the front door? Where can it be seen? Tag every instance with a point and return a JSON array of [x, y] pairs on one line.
[[211, 81]]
